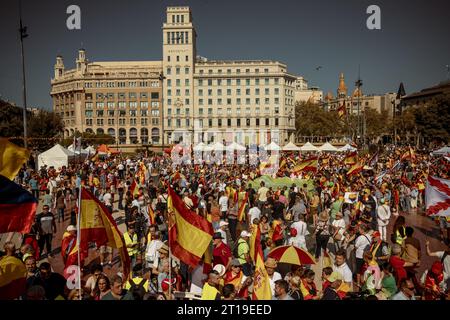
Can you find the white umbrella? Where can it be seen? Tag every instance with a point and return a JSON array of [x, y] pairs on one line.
[[235, 146], [272, 146], [308, 147], [347, 147], [328, 147], [291, 147], [200, 147], [218, 146]]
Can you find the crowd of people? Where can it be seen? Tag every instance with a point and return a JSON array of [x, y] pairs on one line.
[[353, 225]]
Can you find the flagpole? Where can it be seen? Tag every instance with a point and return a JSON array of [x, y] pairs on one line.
[[170, 263], [78, 239]]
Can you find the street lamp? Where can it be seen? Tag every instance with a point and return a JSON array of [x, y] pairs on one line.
[[161, 78], [23, 34]]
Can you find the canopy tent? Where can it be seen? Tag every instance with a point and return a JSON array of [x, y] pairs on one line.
[[90, 150], [235, 146], [308, 147], [218, 147], [272, 146], [291, 147], [56, 157], [442, 151], [104, 149], [200, 147], [327, 147], [77, 151], [347, 147]]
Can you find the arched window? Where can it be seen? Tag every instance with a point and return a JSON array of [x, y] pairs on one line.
[[100, 131], [112, 132], [133, 136], [89, 130], [144, 135], [155, 135], [122, 136]]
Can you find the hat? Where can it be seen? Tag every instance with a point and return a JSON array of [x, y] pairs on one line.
[[323, 216], [271, 263], [223, 223], [236, 263], [217, 235], [220, 268], [167, 282], [376, 234], [245, 234], [334, 276], [26, 256], [164, 248], [71, 228]]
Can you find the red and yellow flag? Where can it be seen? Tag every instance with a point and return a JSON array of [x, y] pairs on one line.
[[12, 158], [13, 278], [355, 169], [351, 158], [261, 282], [151, 215], [242, 204], [310, 164], [409, 155], [97, 225], [232, 194], [189, 233], [134, 188]]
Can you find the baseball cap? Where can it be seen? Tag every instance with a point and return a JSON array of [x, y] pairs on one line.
[[245, 233], [223, 223], [71, 228]]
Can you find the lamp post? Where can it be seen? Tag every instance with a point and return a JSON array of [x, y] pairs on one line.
[[23, 34], [161, 78]]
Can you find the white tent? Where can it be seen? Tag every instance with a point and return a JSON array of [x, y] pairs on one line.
[[218, 146], [90, 150], [56, 157], [308, 147], [235, 146], [441, 151], [272, 146], [327, 147], [347, 147], [200, 147], [78, 151], [291, 147]]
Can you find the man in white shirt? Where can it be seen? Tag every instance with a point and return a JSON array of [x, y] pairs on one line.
[[362, 242], [107, 197], [342, 268], [254, 213], [223, 204], [302, 231], [383, 216]]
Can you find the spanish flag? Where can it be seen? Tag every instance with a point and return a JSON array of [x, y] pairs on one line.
[[409, 155], [97, 225], [134, 188], [142, 173], [261, 282], [242, 204], [189, 233], [355, 169], [351, 158], [13, 278], [17, 207], [310, 164], [151, 215], [232, 194], [12, 158]]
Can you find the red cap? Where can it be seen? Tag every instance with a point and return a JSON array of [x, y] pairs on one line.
[[376, 234]]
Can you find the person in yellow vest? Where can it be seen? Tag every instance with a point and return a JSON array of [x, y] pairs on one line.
[[131, 241], [209, 291], [138, 283]]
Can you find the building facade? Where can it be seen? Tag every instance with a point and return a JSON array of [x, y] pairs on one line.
[[184, 94]]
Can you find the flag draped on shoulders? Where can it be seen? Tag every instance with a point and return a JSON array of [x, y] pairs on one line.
[[242, 204], [97, 225], [17, 207], [13, 278], [189, 233], [261, 282]]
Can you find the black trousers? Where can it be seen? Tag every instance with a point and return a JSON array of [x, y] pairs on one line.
[[321, 243], [35, 194], [45, 240], [232, 224]]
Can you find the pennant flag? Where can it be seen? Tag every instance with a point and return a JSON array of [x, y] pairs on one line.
[[310, 164], [97, 225], [17, 207], [351, 158], [242, 205], [437, 197], [341, 110], [355, 169], [12, 157], [261, 282], [13, 278], [189, 234]]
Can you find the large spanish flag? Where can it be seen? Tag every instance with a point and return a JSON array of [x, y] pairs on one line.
[[409, 155], [261, 282], [351, 158], [242, 204], [189, 233], [13, 278], [310, 164], [12, 158], [134, 188], [355, 169], [17, 207], [97, 225]]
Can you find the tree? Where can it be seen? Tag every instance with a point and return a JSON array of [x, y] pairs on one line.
[[45, 128], [377, 124]]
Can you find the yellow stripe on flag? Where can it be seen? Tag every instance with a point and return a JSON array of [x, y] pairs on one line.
[[12, 157], [11, 269]]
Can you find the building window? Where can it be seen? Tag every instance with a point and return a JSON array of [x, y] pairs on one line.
[[277, 100], [266, 101], [238, 92], [155, 95], [143, 95], [210, 82], [155, 113], [210, 102], [178, 58], [267, 122], [238, 122], [186, 102], [210, 123], [238, 111], [186, 82], [209, 111], [266, 70], [186, 70], [219, 122], [247, 82], [247, 101], [238, 82], [186, 92], [144, 113], [228, 101], [178, 92], [133, 113], [266, 81], [200, 83], [276, 122], [247, 92], [188, 123], [238, 101], [229, 122], [277, 81], [187, 57], [99, 122], [200, 102], [168, 58], [238, 70], [219, 82], [100, 105], [219, 92], [110, 113], [257, 91], [169, 71], [200, 111], [169, 112], [219, 111], [247, 122], [256, 82], [89, 122], [132, 95], [177, 70], [88, 105], [169, 82], [169, 102], [257, 122], [219, 102], [257, 101]]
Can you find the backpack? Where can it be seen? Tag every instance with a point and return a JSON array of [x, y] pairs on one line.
[[137, 290], [236, 248]]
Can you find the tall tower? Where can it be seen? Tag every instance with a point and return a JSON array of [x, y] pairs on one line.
[[81, 61], [179, 54], [59, 67], [342, 89]]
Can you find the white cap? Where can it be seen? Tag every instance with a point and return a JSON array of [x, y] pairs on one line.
[[223, 223], [220, 268], [245, 234], [71, 228]]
